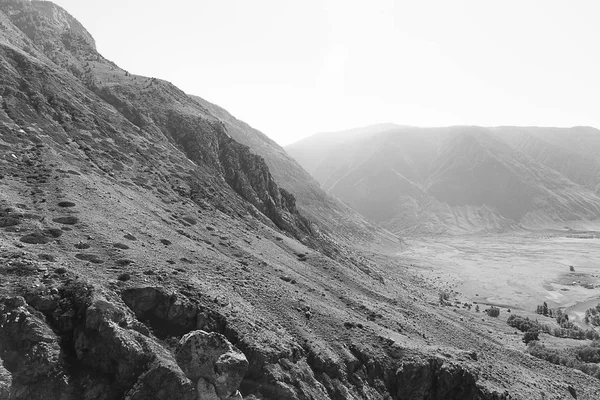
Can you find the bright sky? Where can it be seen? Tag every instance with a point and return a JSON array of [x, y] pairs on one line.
[[294, 68]]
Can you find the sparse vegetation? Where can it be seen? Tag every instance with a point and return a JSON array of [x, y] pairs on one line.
[[444, 297], [35, 238], [493, 312], [572, 358], [68, 220], [124, 277], [531, 336], [592, 315], [566, 330], [545, 310]]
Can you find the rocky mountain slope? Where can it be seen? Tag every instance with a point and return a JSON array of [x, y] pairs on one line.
[[459, 179], [146, 254], [334, 217]]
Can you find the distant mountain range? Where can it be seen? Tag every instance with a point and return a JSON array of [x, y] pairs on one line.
[[459, 179]]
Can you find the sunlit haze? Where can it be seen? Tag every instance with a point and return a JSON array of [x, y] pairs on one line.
[[294, 68]]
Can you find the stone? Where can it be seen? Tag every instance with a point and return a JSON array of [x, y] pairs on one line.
[[163, 382], [31, 349], [434, 379], [236, 396], [206, 390], [212, 357], [5, 382]]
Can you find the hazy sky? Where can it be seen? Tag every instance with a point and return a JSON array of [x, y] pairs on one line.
[[293, 68]]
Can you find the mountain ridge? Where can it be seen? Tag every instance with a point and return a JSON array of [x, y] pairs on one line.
[[460, 166]]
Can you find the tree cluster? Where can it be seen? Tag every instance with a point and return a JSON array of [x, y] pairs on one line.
[[592, 315], [573, 358], [544, 310]]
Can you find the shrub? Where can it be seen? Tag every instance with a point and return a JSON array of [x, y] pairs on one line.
[[522, 324], [544, 310], [69, 220], [531, 335], [444, 297], [493, 311], [592, 315], [124, 277], [35, 238], [569, 357]]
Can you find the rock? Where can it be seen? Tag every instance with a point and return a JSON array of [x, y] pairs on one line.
[[236, 396], [206, 390], [130, 360], [434, 379], [5, 382], [163, 382], [129, 236], [32, 351], [572, 391], [212, 357], [169, 314]]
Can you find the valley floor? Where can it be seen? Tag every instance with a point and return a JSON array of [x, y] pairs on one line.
[[517, 271]]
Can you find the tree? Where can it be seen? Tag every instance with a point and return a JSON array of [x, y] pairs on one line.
[[531, 335], [572, 268], [493, 311]]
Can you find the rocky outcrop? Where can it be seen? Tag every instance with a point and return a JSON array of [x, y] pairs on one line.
[[31, 353], [248, 174], [5, 382], [212, 362], [166, 313], [435, 380], [113, 352]]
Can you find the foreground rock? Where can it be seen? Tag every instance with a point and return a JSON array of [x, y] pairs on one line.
[[433, 379], [30, 352], [211, 361]]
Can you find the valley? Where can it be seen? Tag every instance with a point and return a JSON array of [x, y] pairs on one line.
[[516, 271]]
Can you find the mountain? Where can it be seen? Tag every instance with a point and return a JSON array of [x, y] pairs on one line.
[[334, 217], [459, 179], [145, 253]]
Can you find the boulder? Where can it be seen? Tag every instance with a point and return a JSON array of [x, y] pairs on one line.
[[212, 357], [163, 382], [5, 382], [30, 354], [206, 390]]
